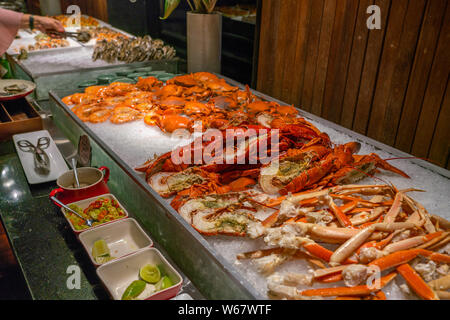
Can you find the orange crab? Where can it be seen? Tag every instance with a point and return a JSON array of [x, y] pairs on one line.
[[187, 80], [194, 108], [168, 122], [170, 90], [149, 84], [123, 114]]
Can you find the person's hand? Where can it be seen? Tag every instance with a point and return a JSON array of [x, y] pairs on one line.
[[46, 24]]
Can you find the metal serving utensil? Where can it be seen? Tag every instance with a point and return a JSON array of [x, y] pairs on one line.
[[81, 36], [75, 172], [41, 159], [88, 222], [84, 151], [81, 157]]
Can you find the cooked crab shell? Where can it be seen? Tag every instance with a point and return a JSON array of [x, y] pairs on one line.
[[227, 223], [279, 173], [228, 214], [209, 203], [167, 184]]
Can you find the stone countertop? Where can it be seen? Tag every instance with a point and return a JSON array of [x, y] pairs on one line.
[[42, 241]]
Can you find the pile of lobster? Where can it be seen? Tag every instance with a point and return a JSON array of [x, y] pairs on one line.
[[298, 158], [282, 180]]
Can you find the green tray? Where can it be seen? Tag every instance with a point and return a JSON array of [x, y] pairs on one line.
[[106, 78], [87, 83]]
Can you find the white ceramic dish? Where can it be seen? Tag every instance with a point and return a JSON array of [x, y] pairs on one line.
[[57, 163], [29, 87], [26, 34], [117, 275], [123, 237], [183, 296], [83, 204]]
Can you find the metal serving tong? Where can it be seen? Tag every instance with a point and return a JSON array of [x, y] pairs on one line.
[[41, 159], [81, 36]]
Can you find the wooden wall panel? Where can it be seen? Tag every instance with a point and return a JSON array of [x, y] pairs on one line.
[[33, 6], [94, 8], [266, 47], [387, 67], [358, 53], [389, 84], [344, 26], [418, 80], [370, 71], [312, 52], [295, 80], [440, 148], [285, 41], [402, 71], [435, 92], [323, 55]]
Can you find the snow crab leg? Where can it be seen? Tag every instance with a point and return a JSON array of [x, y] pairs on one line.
[[363, 290]]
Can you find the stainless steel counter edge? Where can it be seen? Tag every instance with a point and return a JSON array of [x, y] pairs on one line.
[[137, 64], [245, 287]]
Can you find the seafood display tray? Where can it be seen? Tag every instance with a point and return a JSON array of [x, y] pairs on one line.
[[92, 42], [65, 69], [26, 37], [129, 145], [17, 44], [100, 24]]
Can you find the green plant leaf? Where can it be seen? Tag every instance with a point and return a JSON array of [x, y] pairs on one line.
[[199, 8], [190, 5], [209, 5], [169, 6]]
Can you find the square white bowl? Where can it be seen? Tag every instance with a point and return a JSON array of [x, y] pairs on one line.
[[123, 237], [83, 204], [183, 296], [118, 274]]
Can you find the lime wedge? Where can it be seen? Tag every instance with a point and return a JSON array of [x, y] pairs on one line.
[[100, 249], [134, 290], [150, 273], [104, 259], [164, 283]]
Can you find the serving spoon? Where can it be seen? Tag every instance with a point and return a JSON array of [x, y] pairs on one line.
[[75, 172], [89, 222]]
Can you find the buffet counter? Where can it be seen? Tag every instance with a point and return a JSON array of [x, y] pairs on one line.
[[210, 262], [42, 240], [67, 69]]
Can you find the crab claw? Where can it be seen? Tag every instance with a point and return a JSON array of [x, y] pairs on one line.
[[375, 160]]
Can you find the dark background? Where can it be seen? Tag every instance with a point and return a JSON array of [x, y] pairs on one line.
[[238, 42]]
